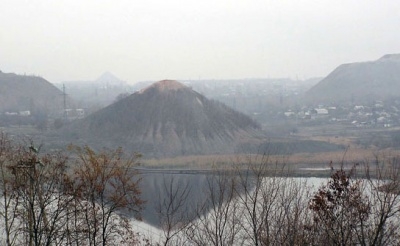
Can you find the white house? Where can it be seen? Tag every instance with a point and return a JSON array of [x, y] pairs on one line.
[[322, 111]]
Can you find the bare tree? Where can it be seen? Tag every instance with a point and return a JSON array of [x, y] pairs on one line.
[[384, 194], [257, 197], [216, 221], [8, 210], [290, 213], [107, 188], [44, 202], [272, 205], [37, 188], [173, 210]]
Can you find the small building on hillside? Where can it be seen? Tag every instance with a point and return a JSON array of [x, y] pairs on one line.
[[73, 114], [322, 111]]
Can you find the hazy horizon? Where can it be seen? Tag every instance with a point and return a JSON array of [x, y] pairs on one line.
[[155, 40]]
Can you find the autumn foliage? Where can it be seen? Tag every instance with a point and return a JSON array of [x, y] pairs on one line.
[[87, 198]]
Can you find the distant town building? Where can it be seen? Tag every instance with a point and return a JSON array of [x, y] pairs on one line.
[[73, 114], [25, 113], [322, 111]]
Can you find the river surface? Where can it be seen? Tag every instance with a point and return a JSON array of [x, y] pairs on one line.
[[155, 186]]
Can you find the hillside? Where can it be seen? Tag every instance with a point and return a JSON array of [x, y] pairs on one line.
[[359, 82], [21, 93], [166, 119]]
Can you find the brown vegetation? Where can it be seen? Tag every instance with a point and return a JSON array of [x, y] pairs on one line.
[[261, 205], [49, 199], [44, 202]]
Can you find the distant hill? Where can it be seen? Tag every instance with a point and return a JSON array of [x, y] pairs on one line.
[[108, 79], [359, 82], [166, 119], [104, 80], [96, 93], [21, 93]]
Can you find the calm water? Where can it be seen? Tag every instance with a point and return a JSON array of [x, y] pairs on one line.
[[153, 189]]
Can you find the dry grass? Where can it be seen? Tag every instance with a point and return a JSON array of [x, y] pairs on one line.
[[323, 159]]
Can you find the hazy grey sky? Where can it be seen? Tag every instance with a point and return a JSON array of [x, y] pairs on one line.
[[190, 39]]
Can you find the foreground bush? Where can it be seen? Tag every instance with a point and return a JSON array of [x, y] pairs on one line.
[[50, 200], [261, 204], [90, 198]]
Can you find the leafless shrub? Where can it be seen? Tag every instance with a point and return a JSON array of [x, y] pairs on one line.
[[105, 184], [216, 221], [172, 210]]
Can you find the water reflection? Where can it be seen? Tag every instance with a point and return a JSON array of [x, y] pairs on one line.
[[159, 187]]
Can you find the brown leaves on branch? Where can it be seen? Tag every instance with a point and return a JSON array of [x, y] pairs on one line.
[[50, 200]]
